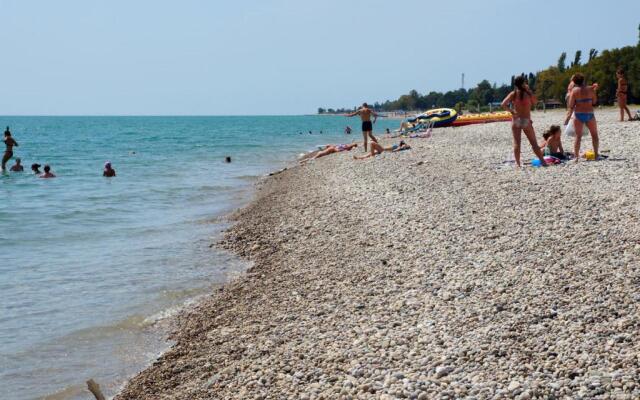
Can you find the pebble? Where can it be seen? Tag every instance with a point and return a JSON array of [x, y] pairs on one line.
[[463, 278]]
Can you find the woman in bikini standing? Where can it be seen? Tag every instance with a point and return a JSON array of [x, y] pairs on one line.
[[522, 99], [581, 102], [621, 93]]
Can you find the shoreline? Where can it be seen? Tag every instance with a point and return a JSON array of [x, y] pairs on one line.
[[431, 272]]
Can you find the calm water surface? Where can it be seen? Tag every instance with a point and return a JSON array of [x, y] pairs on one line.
[[89, 264]]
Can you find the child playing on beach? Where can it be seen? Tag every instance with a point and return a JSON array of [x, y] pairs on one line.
[[377, 149], [552, 144], [522, 99]]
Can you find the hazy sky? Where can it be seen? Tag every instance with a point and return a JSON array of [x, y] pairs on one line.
[[279, 57]]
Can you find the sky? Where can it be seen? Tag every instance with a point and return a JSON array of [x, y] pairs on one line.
[[280, 57]]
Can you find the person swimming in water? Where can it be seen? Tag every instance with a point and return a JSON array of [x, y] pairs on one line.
[[552, 144], [17, 167], [580, 109], [378, 149], [621, 94], [108, 172], [522, 99], [9, 142], [35, 168], [365, 114], [330, 149], [47, 173]]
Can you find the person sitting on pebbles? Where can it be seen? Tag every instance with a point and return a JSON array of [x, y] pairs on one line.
[[552, 145], [332, 148], [378, 149]]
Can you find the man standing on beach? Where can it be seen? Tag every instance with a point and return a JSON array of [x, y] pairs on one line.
[[365, 114]]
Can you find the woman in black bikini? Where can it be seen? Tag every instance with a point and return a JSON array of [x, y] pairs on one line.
[[621, 94], [8, 153]]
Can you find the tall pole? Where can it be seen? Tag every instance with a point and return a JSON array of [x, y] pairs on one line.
[[462, 80]]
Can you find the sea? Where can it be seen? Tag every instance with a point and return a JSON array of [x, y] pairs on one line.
[[90, 267]]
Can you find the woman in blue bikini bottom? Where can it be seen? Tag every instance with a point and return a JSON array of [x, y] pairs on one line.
[[584, 117], [581, 101]]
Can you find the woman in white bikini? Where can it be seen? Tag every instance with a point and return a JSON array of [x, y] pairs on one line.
[[522, 99]]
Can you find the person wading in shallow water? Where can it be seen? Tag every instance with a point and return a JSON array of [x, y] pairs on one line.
[[108, 171], [365, 114], [8, 153]]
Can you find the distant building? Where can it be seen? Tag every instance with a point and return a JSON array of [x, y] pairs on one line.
[[551, 103]]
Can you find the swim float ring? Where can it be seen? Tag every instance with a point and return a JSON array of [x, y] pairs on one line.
[[438, 117]]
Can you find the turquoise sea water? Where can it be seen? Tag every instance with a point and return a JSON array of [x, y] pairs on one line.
[[89, 264]]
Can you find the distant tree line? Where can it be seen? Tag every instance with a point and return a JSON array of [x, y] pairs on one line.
[[549, 84]]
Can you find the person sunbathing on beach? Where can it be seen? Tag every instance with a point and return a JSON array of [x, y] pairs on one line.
[[552, 144], [330, 149], [378, 149], [581, 102], [47, 173], [522, 99]]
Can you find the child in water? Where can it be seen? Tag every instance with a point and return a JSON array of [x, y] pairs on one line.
[[552, 144]]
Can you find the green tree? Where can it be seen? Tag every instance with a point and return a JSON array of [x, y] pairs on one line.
[[592, 54], [472, 105], [532, 81], [576, 60], [483, 93], [550, 84], [321, 110], [562, 62], [501, 92]]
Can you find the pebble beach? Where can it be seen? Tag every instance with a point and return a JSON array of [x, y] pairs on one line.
[[440, 272]]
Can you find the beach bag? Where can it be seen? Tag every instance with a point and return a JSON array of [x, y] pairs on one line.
[[570, 130]]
